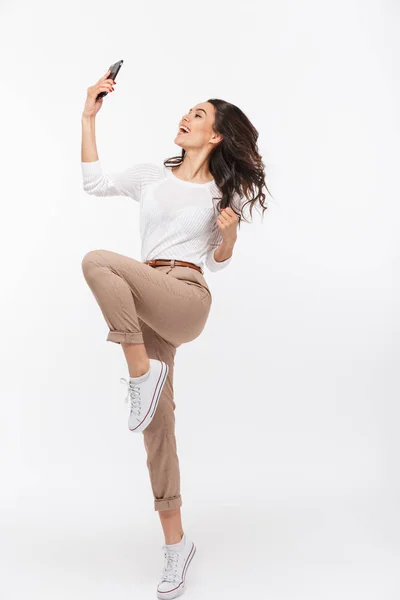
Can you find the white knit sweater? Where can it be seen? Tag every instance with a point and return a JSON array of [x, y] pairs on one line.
[[177, 217]]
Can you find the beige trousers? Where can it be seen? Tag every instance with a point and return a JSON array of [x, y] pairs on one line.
[[162, 307]]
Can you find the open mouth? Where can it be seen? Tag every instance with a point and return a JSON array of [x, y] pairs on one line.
[[183, 131]]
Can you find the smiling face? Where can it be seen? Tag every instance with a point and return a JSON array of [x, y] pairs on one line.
[[199, 121]]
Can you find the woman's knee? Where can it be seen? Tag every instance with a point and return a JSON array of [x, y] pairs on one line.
[[92, 258]]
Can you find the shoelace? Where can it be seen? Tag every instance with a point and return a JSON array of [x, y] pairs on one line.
[[133, 396], [169, 573]]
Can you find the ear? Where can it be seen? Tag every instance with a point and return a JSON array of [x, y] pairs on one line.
[[216, 138]]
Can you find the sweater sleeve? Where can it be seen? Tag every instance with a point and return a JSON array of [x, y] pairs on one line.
[[123, 183]]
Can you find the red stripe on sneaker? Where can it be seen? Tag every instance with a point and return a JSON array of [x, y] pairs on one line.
[[186, 563]]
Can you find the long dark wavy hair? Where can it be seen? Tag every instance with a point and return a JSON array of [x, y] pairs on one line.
[[235, 163]]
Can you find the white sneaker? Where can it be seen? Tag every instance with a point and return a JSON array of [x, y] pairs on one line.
[[144, 393], [177, 558]]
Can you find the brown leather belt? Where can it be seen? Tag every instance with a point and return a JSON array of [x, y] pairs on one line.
[[159, 262]]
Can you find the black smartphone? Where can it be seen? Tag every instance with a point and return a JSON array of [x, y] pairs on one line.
[[114, 71]]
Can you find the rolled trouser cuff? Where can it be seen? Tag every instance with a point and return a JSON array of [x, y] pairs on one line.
[[124, 337], [168, 504]]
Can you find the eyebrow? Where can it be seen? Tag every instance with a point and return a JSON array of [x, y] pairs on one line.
[[199, 109]]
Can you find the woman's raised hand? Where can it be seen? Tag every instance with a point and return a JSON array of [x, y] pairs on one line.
[[92, 106]]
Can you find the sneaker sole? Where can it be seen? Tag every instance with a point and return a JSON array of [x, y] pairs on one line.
[[160, 384], [170, 595]]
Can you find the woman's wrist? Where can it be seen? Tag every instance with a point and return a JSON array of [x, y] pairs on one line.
[[88, 118], [224, 251]]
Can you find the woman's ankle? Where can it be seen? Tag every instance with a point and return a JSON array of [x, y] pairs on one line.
[[138, 370], [173, 538]]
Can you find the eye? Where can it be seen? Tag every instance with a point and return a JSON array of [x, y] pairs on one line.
[[197, 115]]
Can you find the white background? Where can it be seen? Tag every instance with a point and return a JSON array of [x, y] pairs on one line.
[[287, 404]]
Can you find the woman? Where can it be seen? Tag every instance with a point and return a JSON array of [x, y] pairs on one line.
[[154, 305]]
